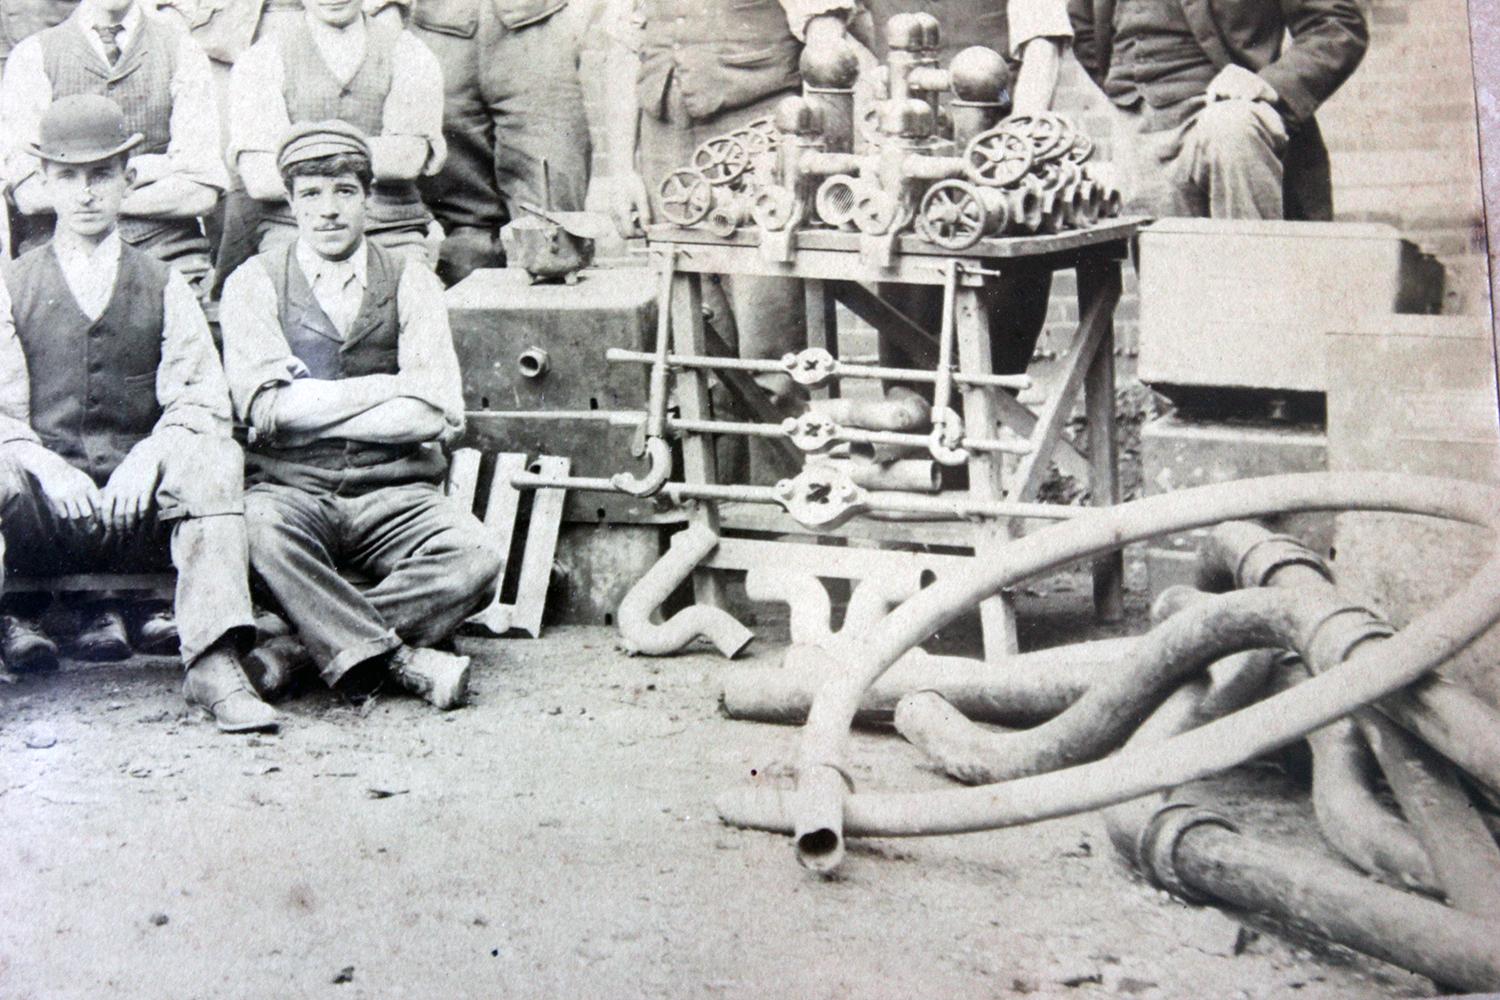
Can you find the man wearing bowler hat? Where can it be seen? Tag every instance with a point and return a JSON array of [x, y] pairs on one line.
[[341, 363], [115, 451]]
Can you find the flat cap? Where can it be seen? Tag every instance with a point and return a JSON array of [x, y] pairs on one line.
[[315, 140]]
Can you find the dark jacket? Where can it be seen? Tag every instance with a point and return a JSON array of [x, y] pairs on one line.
[[1329, 38]]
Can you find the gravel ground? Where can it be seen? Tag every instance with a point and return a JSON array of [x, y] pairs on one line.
[[557, 839]]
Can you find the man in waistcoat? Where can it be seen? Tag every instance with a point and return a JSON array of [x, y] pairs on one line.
[[697, 69], [512, 103], [341, 362], [338, 63], [1214, 107], [151, 68], [115, 452]]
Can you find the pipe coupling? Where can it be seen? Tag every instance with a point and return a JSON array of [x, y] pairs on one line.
[[1264, 557], [1156, 850]]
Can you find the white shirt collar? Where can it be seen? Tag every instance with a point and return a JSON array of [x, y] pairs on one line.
[[90, 274], [104, 257], [342, 49], [131, 22], [318, 268]]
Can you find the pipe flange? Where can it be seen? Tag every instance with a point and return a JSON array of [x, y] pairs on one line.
[[1273, 552], [812, 367], [1356, 624], [1157, 848]]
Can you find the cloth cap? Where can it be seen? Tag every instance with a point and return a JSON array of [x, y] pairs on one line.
[[83, 128], [315, 140]]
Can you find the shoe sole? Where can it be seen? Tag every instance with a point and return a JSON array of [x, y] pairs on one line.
[[244, 727], [37, 660], [160, 647], [103, 652]]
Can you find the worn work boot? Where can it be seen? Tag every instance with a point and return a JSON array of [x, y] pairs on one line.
[[273, 665], [101, 636], [24, 646], [154, 630], [217, 684], [441, 678]]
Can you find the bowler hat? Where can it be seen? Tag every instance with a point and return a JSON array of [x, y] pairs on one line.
[[83, 128]]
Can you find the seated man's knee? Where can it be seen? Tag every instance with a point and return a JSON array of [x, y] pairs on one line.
[[477, 563], [14, 480], [203, 479], [1234, 129]]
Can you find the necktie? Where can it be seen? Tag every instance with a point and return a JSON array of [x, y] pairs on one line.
[[109, 34]]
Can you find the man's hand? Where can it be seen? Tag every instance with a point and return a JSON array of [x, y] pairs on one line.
[[1236, 83], [70, 492], [148, 168], [629, 205], [128, 495]]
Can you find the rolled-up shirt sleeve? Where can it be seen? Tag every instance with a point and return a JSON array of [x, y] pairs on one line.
[[1033, 19], [190, 384], [25, 94], [257, 358], [193, 148], [426, 358], [799, 12], [414, 105], [15, 382]]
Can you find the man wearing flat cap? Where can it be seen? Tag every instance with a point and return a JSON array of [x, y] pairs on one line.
[[341, 363], [115, 451], [148, 65], [336, 62]]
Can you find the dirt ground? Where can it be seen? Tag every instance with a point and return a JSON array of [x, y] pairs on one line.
[[557, 839]]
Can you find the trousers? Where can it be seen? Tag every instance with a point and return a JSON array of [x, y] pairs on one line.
[[430, 563], [196, 526], [1201, 159], [512, 102]]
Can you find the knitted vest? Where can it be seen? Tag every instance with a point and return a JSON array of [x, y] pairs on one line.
[[93, 382], [723, 55]]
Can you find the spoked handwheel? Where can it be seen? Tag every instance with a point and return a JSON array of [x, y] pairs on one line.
[[721, 160], [952, 215], [686, 197], [997, 158]]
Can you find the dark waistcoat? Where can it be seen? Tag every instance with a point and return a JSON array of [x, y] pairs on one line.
[[370, 348], [93, 382], [723, 54], [1156, 56]]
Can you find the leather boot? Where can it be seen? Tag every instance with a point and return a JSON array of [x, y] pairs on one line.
[[273, 665], [101, 636], [154, 630], [217, 684], [441, 678], [24, 646]]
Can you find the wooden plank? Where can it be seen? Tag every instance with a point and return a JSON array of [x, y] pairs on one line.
[[500, 519], [463, 477], [541, 549], [997, 616], [1099, 290], [1095, 327], [1018, 417], [1109, 232], [919, 343], [835, 562], [822, 328], [70, 583], [752, 397], [690, 336]]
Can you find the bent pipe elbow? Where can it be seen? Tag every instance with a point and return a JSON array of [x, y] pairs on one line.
[[1186, 643], [1372, 671], [640, 635]]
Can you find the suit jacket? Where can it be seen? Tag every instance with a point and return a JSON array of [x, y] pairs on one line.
[[1329, 38]]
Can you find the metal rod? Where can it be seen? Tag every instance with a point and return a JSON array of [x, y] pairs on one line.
[[876, 501], [841, 369], [844, 435]]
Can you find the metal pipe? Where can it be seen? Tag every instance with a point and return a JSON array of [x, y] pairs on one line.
[[641, 635], [810, 610], [1371, 672], [904, 411], [1102, 719], [533, 363], [1463, 852], [910, 475], [838, 369], [1351, 817], [655, 447], [880, 501], [1460, 725], [1018, 690], [1200, 856]]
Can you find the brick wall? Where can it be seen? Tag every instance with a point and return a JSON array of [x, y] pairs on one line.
[[1401, 134]]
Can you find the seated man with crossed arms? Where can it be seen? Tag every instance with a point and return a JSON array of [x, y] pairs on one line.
[[341, 362]]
